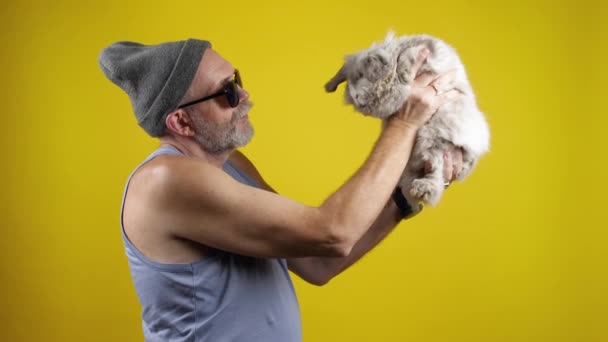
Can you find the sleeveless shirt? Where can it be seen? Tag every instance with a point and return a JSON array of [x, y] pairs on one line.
[[223, 297]]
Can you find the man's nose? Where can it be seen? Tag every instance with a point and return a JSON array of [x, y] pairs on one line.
[[243, 94]]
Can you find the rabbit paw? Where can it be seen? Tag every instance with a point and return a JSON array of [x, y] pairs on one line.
[[425, 190]]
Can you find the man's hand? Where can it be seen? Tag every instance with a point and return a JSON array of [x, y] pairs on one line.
[[426, 94], [452, 166]]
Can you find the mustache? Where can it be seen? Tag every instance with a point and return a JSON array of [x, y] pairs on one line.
[[243, 108]]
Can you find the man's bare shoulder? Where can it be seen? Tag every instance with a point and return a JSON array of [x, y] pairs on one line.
[[158, 193], [165, 187], [166, 176]]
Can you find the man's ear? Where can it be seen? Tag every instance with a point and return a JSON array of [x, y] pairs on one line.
[[179, 122]]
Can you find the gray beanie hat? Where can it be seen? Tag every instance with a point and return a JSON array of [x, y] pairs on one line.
[[156, 77]]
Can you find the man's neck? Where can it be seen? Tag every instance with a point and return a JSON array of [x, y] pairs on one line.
[[192, 149]]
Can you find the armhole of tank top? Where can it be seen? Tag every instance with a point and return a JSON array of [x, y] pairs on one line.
[[135, 250], [246, 177], [185, 267]]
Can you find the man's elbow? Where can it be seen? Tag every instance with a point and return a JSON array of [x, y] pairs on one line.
[[339, 243], [318, 278], [331, 236], [318, 281]]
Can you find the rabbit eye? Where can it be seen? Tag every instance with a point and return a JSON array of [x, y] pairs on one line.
[[360, 74]]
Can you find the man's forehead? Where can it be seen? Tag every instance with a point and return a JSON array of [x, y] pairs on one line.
[[213, 69]]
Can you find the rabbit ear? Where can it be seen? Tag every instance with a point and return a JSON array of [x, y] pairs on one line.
[[389, 36], [340, 77]]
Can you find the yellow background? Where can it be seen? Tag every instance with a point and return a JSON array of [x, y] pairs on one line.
[[515, 253]]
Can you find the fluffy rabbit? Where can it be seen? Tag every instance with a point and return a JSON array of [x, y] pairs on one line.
[[378, 84]]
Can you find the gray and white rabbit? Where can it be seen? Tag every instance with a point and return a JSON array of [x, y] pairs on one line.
[[378, 84]]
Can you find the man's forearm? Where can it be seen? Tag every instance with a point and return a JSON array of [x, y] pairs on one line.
[[329, 267], [354, 207]]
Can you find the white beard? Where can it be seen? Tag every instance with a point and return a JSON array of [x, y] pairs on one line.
[[219, 138]]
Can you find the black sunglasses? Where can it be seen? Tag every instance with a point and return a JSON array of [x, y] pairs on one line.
[[231, 90]]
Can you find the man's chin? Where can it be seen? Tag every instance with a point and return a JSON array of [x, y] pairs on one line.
[[245, 137]]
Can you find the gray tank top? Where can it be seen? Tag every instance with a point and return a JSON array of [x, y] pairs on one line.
[[223, 297]]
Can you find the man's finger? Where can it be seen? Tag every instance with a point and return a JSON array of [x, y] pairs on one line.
[[427, 167], [443, 81], [424, 52], [447, 166], [449, 95], [456, 162], [423, 80]]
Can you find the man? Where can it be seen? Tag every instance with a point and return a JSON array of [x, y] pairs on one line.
[[209, 242]]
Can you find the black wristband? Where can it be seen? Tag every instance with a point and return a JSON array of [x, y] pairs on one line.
[[404, 208]]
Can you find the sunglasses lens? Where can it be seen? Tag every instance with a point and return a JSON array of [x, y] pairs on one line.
[[232, 93]]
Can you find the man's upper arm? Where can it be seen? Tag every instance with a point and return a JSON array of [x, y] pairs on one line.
[[200, 202], [308, 269]]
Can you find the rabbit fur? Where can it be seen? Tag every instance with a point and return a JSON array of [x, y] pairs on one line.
[[378, 84]]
